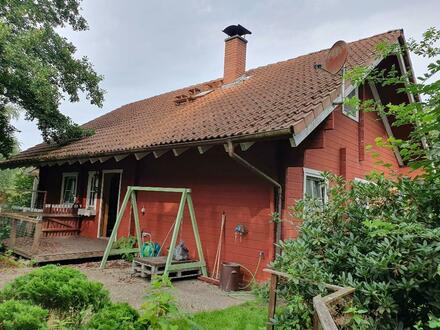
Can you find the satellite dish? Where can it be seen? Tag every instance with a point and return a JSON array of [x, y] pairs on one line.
[[336, 57]]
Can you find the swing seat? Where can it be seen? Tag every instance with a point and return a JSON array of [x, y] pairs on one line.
[[147, 266]]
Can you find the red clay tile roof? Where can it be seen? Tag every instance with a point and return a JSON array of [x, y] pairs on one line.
[[278, 98]]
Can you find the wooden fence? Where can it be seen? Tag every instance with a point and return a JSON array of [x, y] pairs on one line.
[[322, 318]]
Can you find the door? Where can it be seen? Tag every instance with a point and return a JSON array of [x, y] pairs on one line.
[[110, 200]]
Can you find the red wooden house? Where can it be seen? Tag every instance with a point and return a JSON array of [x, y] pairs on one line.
[[248, 144]]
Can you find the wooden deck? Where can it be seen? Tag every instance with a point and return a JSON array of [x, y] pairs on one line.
[[52, 249]]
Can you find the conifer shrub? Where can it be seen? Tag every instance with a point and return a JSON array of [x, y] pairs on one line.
[[22, 315], [59, 289], [115, 316]]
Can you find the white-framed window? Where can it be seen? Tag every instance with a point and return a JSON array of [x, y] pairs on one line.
[[349, 111], [92, 189], [69, 186], [315, 186]]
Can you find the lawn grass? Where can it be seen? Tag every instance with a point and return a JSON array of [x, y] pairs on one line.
[[248, 316]]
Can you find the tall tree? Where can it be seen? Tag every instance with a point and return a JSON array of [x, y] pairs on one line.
[[38, 68]]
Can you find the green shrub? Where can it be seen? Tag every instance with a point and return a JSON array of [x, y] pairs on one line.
[[381, 238], [261, 291], [18, 315], [297, 314], [115, 316], [160, 311], [59, 289], [126, 245]]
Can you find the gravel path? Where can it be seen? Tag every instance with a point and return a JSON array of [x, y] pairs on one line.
[[192, 295]]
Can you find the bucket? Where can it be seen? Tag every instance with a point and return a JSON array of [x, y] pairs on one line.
[[230, 276]]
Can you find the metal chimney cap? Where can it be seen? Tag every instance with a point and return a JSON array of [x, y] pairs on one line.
[[236, 30]]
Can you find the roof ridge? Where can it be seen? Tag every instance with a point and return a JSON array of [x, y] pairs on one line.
[[324, 49]]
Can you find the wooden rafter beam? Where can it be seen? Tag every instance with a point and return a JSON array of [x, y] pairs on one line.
[[159, 153], [177, 152], [204, 149], [118, 158], [246, 145], [104, 159], [140, 155], [385, 121]]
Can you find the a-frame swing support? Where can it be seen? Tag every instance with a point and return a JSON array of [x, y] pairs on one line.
[[185, 199]]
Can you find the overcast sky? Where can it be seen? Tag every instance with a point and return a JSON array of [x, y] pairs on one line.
[[148, 47]]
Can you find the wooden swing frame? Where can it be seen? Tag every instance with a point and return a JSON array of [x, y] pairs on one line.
[[185, 198]]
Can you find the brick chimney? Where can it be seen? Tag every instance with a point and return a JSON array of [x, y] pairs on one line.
[[235, 53]]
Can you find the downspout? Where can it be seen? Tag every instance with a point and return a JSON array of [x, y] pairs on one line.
[[276, 184]]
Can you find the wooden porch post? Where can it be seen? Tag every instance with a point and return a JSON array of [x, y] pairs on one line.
[[37, 236], [272, 300], [13, 233]]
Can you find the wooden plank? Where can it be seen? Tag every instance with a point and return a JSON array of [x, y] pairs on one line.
[[323, 315], [343, 162], [17, 216], [178, 152], [136, 221], [272, 300], [204, 149], [37, 236], [159, 189], [196, 235], [60, 222], [246, 145], [288, 276], [59, 230], [118, 158], [159, 153], [115, 227], [140, 155], [178, 221], [385, 122], [13, 234], [186, 265], [338, 295]]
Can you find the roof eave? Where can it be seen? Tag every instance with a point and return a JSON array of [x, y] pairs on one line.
[[261, 136]]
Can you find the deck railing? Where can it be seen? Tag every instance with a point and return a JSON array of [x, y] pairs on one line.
[[20, 231], [322, 306]]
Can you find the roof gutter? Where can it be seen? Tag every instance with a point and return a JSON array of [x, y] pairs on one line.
[[276, 184]]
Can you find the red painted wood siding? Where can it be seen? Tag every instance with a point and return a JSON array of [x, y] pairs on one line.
[[218, 185], [341, 154]]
